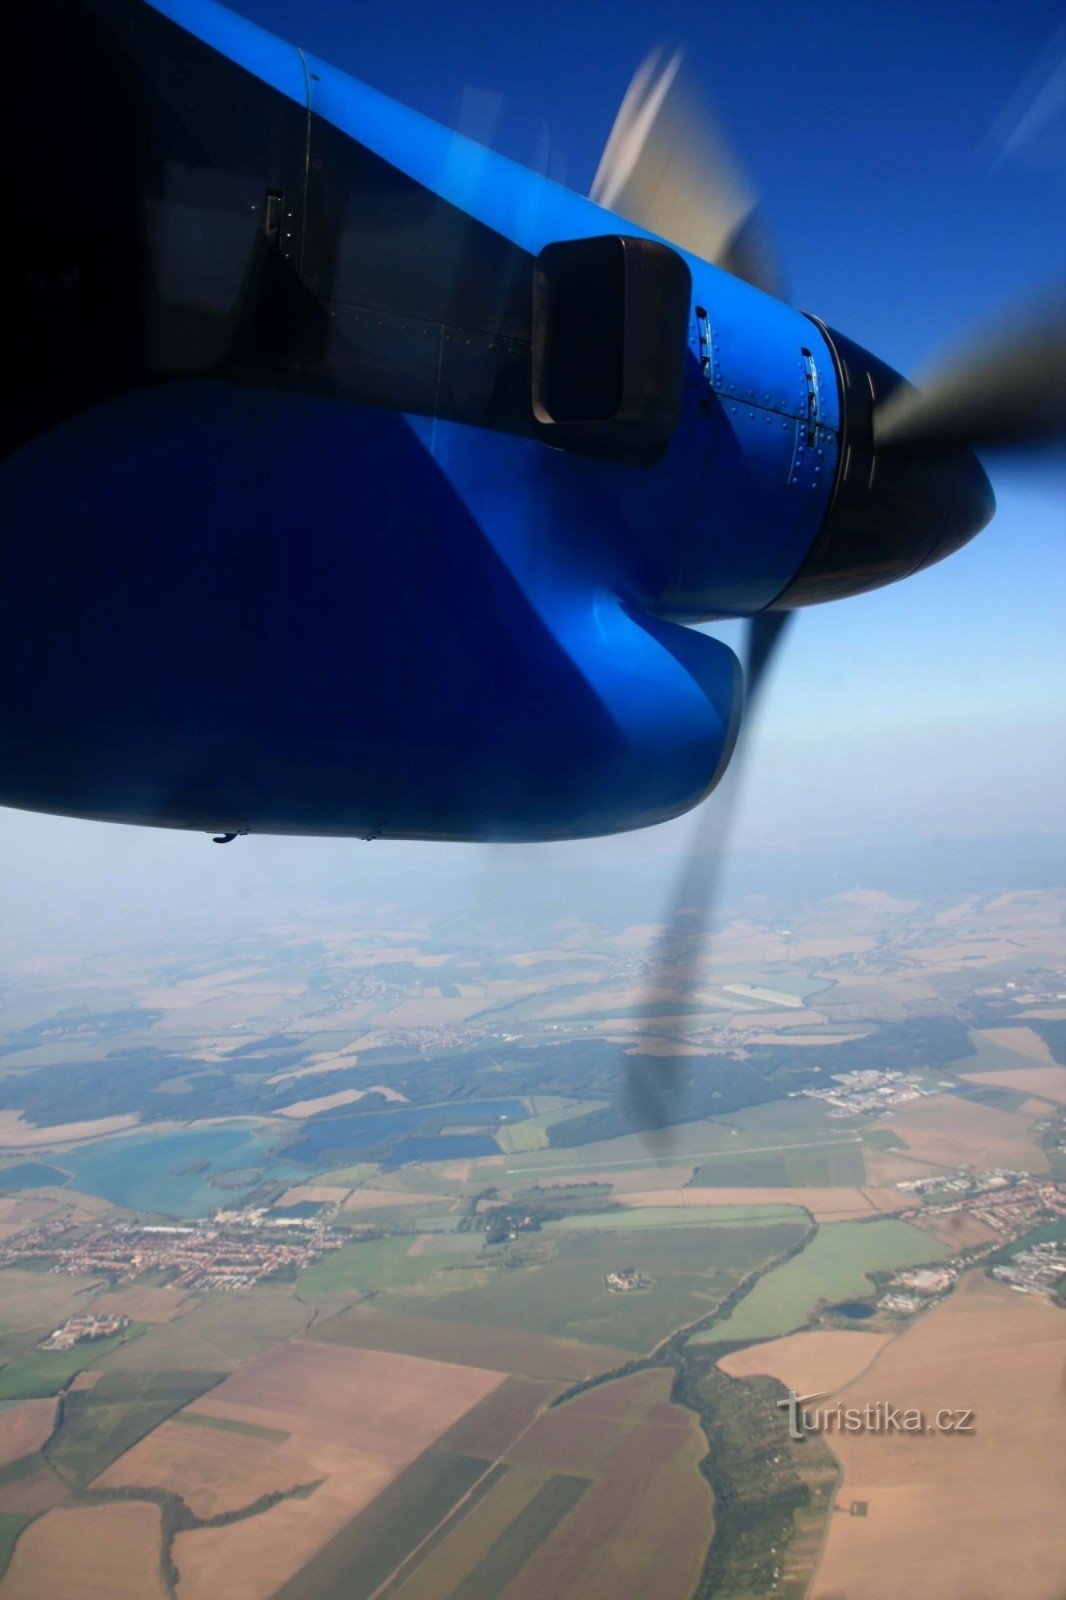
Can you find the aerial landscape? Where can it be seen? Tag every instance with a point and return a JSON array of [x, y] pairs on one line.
[[334, 1257]]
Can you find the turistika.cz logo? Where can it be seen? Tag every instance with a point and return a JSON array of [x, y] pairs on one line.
[[877, 1416]]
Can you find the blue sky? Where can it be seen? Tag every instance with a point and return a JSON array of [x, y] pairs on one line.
[[911, 160]]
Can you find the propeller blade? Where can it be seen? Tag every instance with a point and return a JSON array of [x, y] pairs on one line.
[[668, 169], [1004, 391], [656, 1084]]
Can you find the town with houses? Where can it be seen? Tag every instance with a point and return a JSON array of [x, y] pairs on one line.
[[202, 1256], [864, 1091]]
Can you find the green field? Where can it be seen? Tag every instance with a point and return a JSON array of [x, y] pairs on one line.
[[779, 1127], [359, 1559], [348, 1177], [636, 1219], [532, 1134], [251, 1430], [807, 1166], [44, 1372], [990, 1056], [372, 1264], [832, 1267], [882, 1139], [11, 1525], [994, 1096], [1046, 1233], [522, 1538], [102, 1423], [561, 1291], [220, 1333]]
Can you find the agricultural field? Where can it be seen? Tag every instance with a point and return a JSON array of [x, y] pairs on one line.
[[827, 1163], [103, 1422], [832, 1267], [438, 1338], [635, 1220], [368, 1264], [45, 1372], [938, 1504], [601, 1496], [92, 1552], [949, 1131], [561, 1292], [822, 1360], [354, 1420], [24, 1427]]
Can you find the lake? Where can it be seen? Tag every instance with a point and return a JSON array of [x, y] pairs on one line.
[[169, 1172], [31, 1175]]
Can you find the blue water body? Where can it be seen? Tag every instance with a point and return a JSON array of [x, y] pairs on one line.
[[856, 1309], [457, 1147], [356, 1132], [150, 1171], [31, 1175]]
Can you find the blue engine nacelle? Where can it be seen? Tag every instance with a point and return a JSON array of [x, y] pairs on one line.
[[358, 481]]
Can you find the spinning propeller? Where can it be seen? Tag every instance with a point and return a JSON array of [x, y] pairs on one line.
[[666, 168]]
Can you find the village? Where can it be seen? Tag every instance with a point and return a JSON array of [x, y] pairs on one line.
[[193, 1256]]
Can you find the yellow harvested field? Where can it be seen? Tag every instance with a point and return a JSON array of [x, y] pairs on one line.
[[951, 1132], [89, 1553], [24, 1428], [317, 1194], [825, 1205], [343, 1097], [809, 1363], [378, 1199], [1023, 1041], [953, 1515], [18, 1134], [886, 1168], [1049, 1083], [325, 1102], [351, 1417], [654, 1046], [16, 1213]]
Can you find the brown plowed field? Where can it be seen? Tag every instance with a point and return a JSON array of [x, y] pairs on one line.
[[644, 1525], [88, 1553], [1047, 1082], [956, 1516], [638, 1526], [809, 1363], [1022, 1040], [24, 1428], [305, 1413], [378, 1199], [952, 1132], [18, 1134], [491, 1427]]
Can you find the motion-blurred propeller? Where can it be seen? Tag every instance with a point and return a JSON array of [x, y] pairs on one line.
[[1005, 390], [668, 169], [656, 1084]]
